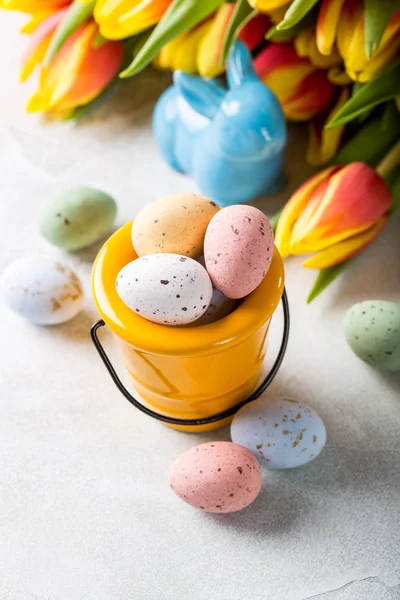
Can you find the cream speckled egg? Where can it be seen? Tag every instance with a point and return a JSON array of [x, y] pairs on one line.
[[42, 290], [165, 288], [217, 477], [238, 249], [372, 330], [280, 432], [173, 224]]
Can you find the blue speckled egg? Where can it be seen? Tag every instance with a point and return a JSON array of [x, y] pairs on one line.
[[282, 433]]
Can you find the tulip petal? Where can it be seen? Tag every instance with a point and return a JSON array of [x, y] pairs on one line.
[[350, 16], [33, 6], [38, 43], [302, 90], [35, 21], [181, 53], [78, 73], [312, 97], [338, 76], [119, 19], [346, 249], [253, 32], [210, 61], [267, 6], [327, 23], [324, 143], [294, 207], [355, 199], [306, 46]]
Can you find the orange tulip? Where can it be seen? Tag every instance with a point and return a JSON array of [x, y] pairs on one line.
[[334, 215], [302, 90], [78, 73]]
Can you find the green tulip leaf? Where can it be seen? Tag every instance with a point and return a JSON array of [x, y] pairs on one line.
[[180, 16], [241, 15], [381, 89], [377, 15], [285, 34], [296, 11], [77, 14], [393, 181], [325, 278], [372, 141]]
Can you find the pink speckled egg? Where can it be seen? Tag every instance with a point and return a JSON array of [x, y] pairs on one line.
[[217, 477], [238, 249]]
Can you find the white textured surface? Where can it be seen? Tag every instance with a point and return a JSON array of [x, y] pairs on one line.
[[85, 507]]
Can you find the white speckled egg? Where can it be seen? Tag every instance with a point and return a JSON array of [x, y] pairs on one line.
[[42, 290], [282, 433], [165, 288]]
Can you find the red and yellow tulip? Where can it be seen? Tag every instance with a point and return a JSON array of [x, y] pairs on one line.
[[341, 22], [120, 19], [302, 90], [77, 74], [199, 50], [334, 215]]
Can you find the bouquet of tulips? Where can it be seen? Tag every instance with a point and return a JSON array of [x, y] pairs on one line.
[[332, 63]]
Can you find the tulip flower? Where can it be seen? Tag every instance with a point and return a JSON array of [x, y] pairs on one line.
[[306, 47], [181, 52], [302, 90], [120, 19], [199, 50], [210, 61], [78, 73], [39, 42], [342, 22], [334, 215]]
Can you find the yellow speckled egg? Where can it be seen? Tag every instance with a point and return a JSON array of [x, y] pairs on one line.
[[174, 224]]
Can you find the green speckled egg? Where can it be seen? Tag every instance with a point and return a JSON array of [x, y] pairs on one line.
[[372, 330], [77, 217]]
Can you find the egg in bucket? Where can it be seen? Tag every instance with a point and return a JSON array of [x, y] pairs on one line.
[[192, 378]]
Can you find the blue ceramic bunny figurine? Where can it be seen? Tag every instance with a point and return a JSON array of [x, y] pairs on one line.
[[231, 141]]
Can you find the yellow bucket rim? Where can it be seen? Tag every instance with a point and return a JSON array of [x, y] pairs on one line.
[[255, 310]]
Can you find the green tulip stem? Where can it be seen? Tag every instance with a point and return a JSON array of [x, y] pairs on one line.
[[390, 161]]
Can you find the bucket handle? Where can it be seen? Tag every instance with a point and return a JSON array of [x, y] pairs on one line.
[[204, 420]]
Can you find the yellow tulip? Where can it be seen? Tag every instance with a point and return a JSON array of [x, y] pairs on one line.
[[342, 22], [120, 19]]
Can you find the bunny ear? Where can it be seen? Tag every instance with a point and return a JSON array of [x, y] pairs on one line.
[[240, 65], [203, 96]]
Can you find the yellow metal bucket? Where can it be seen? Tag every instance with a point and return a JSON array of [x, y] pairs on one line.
[[187, 377]]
